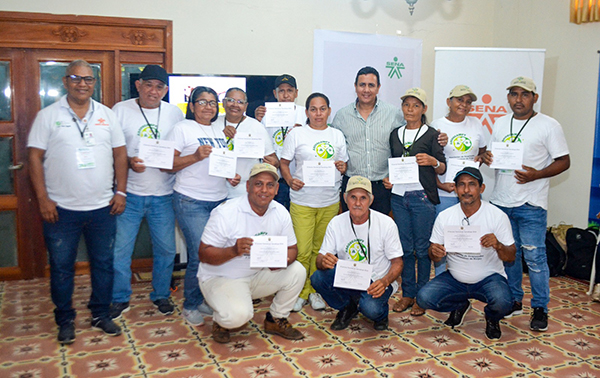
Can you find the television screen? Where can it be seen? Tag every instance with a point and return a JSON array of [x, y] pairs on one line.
[[181, 86]]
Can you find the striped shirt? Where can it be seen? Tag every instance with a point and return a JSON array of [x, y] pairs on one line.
[[368, 142]]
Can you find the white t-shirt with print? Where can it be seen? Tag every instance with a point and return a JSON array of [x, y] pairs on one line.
[[471, 268], [235, 219], [381, 236], [464, 141], [244, 165], [57, 130], [194, 180], [307, 144], [544, 141], [151, 182]]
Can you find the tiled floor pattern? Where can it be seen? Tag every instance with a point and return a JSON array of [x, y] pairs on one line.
[[156, 346]]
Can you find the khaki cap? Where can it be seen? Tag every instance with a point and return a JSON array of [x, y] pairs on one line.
[[417, 93], [523, 82], [264, 167], [359, 182], [461, 90]]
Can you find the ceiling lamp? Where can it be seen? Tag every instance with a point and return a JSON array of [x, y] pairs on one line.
[[411, 5]]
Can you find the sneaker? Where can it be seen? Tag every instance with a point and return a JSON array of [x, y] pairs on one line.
[[220, 334], [299, 304], [118, 308], [66, 333], [345, 316], [492, 329], [164, 306], [539, 320], [205, 309], [517, 309], [381, 325], [281, 327], [194, 317], [107, 326], [316, 302], [457, 316]]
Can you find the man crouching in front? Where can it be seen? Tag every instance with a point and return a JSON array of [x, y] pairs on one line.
[[226, 277]]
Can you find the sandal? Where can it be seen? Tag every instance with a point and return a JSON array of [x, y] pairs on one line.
[[417, 310], [403, 304]]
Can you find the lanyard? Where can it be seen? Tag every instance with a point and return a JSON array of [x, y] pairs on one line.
[[76, 119], [407, 150], [154, 133], [236, 126], [367, 254], [284, 132], [522, 127]]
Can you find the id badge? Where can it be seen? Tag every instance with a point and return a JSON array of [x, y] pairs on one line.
[[89, 138], [85, 158]]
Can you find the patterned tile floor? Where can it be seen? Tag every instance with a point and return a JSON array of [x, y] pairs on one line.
[[156, 346]]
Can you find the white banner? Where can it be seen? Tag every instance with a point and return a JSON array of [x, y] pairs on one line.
[[338, 56], [488, 71]]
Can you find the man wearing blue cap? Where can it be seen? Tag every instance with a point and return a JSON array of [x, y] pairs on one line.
[[472, 273]]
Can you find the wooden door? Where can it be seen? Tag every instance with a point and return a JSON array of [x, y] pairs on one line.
[[31, 70]]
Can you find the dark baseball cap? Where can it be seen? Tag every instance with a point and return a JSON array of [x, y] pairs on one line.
[[471, 172], [152, 71], [287, 79]]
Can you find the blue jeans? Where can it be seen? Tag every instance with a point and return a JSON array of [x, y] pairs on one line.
[[62, 238], [283, 194], [529, 230], [414, 215], [192, 216], [376, 309], [160, 216], [445, 202], [446, 294]]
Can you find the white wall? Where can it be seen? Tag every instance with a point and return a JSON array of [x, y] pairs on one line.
[[276, 36]]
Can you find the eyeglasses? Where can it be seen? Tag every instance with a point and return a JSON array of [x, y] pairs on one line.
[[77, 79], [212, 104], [233, 100]]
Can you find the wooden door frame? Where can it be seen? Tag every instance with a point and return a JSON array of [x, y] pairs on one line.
[[20, 34]]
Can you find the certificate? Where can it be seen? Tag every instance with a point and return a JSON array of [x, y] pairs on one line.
[[280, 114], [507, 155], [352, 275], [318, 173], [403, 170], [157, 153], [221, 163], [268, 252], [247, 145], [453, 166], [462, 239]]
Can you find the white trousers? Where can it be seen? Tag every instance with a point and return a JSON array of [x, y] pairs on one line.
[[231, 299]]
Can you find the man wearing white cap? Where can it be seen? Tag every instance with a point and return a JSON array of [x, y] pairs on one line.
[[523, 193], [227, 281], [365, 236]]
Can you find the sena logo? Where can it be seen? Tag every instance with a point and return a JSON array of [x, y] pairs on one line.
[[101, 122], [488, 113]]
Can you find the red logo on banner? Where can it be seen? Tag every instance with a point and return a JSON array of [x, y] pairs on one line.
[[488, 113]]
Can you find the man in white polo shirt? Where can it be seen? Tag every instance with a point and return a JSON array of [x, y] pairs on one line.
[[76, 153], [226, 279], [149, 192]]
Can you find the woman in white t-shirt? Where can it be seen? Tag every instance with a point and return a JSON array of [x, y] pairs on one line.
[[320, 154], [196, 193], [467, 140]]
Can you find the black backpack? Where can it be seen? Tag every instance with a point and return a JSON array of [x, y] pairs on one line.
[[581, 247]]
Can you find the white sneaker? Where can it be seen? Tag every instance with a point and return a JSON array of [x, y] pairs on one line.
[[205, 309], [316, 301], [299, 304], [194, 317]]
